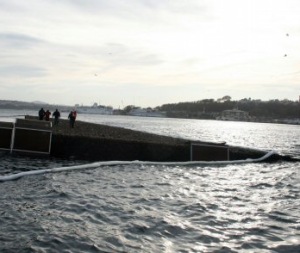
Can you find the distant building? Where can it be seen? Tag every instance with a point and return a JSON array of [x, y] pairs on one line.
[[146, 112], [95, 109], [234, 115]]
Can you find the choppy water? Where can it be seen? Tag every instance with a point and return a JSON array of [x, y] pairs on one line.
[[158, 208]]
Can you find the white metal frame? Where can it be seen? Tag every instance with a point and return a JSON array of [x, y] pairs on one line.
[[12, 142], [31, 151], [10, 128]]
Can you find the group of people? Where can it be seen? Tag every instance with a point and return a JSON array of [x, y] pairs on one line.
[[45, 115]]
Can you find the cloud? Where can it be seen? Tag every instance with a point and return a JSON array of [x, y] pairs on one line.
[[139, 13], [134, 6], [121, 54], [167, 50], [17, 40], [21, 71]]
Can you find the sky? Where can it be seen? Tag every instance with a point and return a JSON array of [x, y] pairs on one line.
[[148, 52]]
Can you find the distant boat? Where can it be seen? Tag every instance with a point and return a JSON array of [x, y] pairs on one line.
[[95, 109]]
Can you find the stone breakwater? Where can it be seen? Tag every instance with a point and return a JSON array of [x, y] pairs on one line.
[[95, 142]]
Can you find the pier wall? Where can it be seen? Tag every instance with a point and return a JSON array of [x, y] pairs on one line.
[[112, 150], [95, 149]]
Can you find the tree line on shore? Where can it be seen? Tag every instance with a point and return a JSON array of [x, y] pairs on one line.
[[210, 108]]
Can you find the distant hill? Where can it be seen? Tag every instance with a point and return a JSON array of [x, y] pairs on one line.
[[36, 105]]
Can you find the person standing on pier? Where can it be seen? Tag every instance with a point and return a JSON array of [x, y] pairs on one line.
[[56, 116], [41, 114], [47, 115], [75, 113], [72, 117]]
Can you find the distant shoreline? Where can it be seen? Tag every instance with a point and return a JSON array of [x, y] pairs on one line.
[[66, 109]]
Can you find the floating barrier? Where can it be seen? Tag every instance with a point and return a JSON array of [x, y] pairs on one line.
[[114, 163]]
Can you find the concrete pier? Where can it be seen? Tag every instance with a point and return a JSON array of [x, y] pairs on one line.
[[95, 142], [106, 143]]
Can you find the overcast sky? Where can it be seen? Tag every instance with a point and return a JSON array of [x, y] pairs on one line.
[[148, 52]]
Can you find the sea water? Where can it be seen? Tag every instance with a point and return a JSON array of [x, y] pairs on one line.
[[155, 207]]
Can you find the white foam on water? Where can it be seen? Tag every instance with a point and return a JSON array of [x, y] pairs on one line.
[[114, 163]]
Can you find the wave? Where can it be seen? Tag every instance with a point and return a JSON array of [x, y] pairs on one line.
[[115, 163]]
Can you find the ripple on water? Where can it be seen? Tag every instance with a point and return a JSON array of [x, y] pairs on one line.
[[236, 208]]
